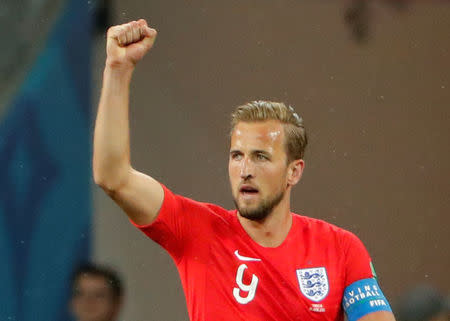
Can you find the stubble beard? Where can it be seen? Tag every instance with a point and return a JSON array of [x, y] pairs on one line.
[[262, 210]]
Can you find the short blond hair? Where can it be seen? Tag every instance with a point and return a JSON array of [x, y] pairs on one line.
[[261, 110]]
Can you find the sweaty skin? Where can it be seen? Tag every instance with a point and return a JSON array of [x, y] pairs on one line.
[[258, 160]]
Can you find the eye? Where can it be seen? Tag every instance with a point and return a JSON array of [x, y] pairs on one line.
[[261, 157], [235, 155]]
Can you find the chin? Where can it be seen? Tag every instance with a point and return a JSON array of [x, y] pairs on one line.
[[260, 211], [254, 213]]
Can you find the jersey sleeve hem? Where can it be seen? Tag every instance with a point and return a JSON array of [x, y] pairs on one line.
[[162, 209]]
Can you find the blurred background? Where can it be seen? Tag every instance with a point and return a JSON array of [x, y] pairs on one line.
[[370, 78]]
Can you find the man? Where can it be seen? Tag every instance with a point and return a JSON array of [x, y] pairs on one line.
[[259, 262], [96, 294]]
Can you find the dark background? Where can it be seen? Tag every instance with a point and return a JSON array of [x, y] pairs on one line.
[[376, 110]]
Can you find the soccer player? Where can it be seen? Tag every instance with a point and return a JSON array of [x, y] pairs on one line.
[[259, 262], [97, 294]]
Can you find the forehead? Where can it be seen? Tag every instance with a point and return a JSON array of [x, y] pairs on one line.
[[261, 135], [88, 281]]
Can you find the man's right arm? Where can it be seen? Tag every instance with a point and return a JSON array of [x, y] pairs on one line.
[[139, 195]]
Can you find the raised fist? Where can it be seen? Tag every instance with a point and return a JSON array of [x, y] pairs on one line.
[[128, 43]]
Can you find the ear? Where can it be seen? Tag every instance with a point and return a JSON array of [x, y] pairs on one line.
[[295, 171]]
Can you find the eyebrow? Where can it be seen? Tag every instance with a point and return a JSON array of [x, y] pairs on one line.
[[259, 151], [256, 151]]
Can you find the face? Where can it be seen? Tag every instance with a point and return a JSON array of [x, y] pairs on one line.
[[258, 168], [93, 299]]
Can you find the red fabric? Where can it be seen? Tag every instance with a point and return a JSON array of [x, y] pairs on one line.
[[202, 239]]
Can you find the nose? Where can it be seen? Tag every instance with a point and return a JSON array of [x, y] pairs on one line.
[[246, 169]]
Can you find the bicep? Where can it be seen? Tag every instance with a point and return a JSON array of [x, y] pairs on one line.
[[141, 197], [378, 316]]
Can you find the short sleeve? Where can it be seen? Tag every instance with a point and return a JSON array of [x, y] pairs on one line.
[[183, 226], [362, 294], [357, 260], [169, 227]]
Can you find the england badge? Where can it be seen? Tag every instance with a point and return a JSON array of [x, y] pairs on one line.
[[313, 283]]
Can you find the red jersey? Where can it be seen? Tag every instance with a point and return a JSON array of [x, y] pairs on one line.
[[228, 276]]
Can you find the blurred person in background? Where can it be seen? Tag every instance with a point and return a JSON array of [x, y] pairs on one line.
[[260, 261], [422, 303], [97, 294]]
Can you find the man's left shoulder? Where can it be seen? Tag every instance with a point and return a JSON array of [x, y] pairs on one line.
[[320, 227], [321, 231]]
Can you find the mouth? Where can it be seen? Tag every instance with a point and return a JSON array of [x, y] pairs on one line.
[[248, 191]]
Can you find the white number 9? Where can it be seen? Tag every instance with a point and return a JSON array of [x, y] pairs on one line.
[[250, 288]]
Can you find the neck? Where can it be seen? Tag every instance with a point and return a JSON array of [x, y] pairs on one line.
[[273, 230]]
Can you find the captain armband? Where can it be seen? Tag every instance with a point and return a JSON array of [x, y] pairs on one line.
[[363, 297]]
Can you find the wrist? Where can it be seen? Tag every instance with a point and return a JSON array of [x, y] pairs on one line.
[[119, 66], [116, 70]]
